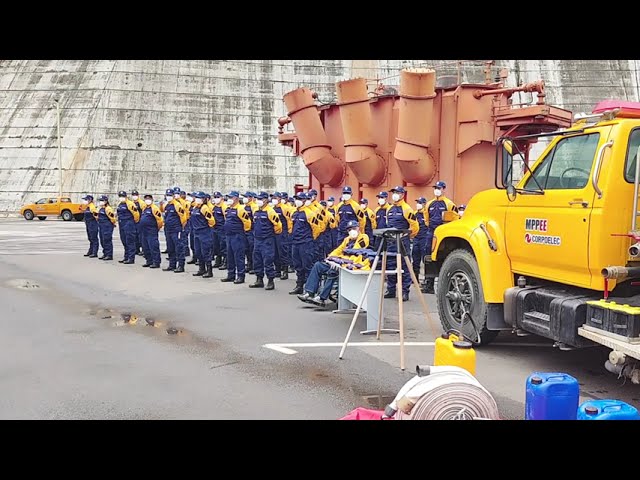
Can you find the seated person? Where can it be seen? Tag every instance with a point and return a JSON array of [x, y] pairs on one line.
[[354, 240]]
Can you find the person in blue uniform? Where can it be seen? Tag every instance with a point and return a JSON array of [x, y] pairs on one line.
[[139, 203], [306, 230], [348, 209], [266, 227], [219, 239], [175, 218], [106, 223], [370, 217], [237, 223], [128, 216], [400, 216], [282, 260], [434, 211], [381, 215], [91, 224], [419, 244], [202, 223], [333, 229], [150, 224]]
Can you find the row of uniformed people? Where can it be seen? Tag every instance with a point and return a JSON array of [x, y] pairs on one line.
[[307, 230]]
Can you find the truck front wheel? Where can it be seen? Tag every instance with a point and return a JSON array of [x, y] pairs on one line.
[[461, 304], [67, 216]]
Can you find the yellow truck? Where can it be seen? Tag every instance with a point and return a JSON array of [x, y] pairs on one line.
[[556, 253], [53, 207]]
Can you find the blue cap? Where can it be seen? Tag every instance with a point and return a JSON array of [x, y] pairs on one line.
[[383, 195], [176, 189], [421, 200], [277, 194], [331, 199], [122, 193], [134, 192], [88, 197], [182, 192], [199, 194], [169, 191], [313, 191], [352, 224], [440, 184], [217, 194], [284, 195], [206, 195], [148, 195], [365, 201], [249, 194], [263, 195], [398, 189], [347, 189], [103, 198], [234, 193], [300, 196], [323, 203]]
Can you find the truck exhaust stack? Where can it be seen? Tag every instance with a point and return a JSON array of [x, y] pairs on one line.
[[355, 114], [417, 91], [314, 147]]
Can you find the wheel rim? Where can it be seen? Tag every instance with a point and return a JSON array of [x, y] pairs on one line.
[[460, 298]]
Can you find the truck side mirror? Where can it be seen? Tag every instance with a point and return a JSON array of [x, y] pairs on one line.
[[511, 193]]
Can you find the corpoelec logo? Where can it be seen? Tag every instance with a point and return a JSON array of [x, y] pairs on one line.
[[542, 239]]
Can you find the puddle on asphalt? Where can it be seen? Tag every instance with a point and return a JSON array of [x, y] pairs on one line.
[[133, 320], [378, 402], [23, 284]]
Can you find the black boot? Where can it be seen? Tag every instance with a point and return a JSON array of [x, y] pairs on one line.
[[179, 269], [228, 279], [192, 261], [298, 290], [250, 270], [223, 265], [259, 283], [270, 285], [238, 280], [209, 270], [88, 254], [284, 275], [427, 286], [390, 294], [218, 261], [169, 269], [201, 270]]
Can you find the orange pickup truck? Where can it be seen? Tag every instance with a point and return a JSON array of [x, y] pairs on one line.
[[53, 207]]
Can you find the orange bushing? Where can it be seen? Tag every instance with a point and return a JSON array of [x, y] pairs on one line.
[[415, 116], [355, 115], [314, 147]]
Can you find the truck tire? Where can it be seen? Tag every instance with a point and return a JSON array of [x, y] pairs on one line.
[[28, 215], [42, 218], [67, 215], [459, 286]]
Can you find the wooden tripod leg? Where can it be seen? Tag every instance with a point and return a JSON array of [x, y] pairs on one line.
[[400, 303], [360, 303], [382, 275], [425, 308]]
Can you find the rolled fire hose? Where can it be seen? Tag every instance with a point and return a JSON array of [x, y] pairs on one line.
[[443, 393]]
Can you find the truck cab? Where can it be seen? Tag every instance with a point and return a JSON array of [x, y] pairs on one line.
[[531, 256]]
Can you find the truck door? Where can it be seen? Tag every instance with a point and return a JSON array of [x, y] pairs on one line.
[[53, 207], [547, 235]]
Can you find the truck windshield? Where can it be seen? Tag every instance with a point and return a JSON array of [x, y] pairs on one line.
[[567, 166]]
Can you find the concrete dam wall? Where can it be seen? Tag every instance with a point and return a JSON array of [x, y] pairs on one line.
[[211, 124]]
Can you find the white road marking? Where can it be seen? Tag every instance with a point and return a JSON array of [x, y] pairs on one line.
[[285, 347]]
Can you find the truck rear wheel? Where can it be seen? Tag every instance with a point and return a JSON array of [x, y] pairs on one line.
[[67, 216], [28, 215], [461, 304]]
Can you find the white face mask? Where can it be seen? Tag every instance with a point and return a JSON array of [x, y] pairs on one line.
[[461, 212], [168, 198], [381, 201], [363, 206], [189, 199], [299, 203], [122, 199], [437, 192], [260, 203], [229, 202], [199, 201], [217, 200], [135, 197], [346, 197], [395, 197], [329, 204], [274, 202], [245, 200], [176, 196], [85, 202], [101, 203], [283, 201], [353, 233], [307, 203], [419, 206], [148, 201]]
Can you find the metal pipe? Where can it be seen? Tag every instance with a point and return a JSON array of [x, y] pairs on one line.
[[634, 219], [620, 273], [314, 146], [537, 87], [596, 171], [415, 117], [355, 115]]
